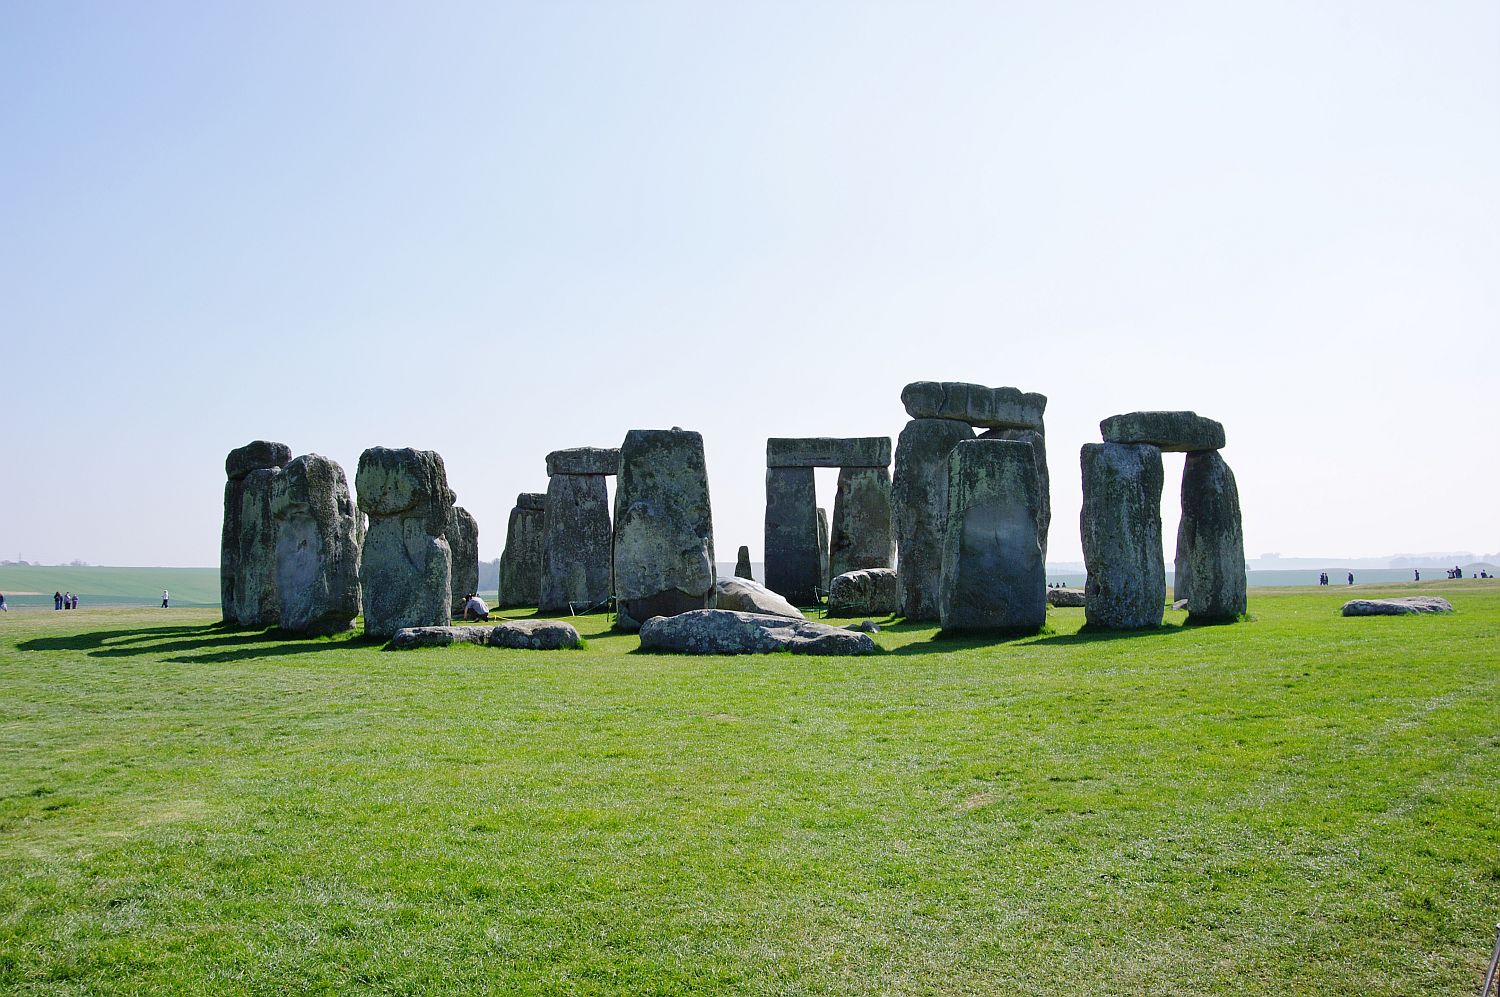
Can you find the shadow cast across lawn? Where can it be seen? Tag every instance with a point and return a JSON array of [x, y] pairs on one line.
[[164, 641], [941, 643]]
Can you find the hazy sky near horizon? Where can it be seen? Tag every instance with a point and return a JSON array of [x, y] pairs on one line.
[[496, 230]]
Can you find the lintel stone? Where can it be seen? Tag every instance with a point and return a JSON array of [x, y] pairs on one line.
[[828, 451], [975, 404], [1172, 432], [584, 460]]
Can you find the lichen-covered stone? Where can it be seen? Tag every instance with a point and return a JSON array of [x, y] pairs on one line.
[[535, 635], [1173, 432], [409, 637], [664, 536], [793, 568], [521, 561], [861, 535], [919, 508], [405, 566], [1066, 598], [1211, 540], [828, 451], [1397, 607], [584, 460], [974, 404], [462, 534], [1120, 527], [317, 547], [743, 595], [866, 592], [720, 631], [575, 544], [1038, 440], [247, 542], [254, 456], [993, 573]]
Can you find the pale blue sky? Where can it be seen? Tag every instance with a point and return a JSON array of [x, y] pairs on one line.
[[495, 231]]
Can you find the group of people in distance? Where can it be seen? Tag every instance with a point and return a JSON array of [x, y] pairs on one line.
[[1323, 578], [64, 600], [1457, 572]]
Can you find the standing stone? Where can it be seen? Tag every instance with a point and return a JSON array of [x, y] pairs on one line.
[[742, 565], [317, 547], [861, 536], [1038, 440], [405, 567], [664, 535], [919, 508], [1121, 531], [1211, 539], [247, 548], [1182, 583], [794, 568], [463, 541], [521, 561], [824, 578], [993, 574], [575, 544]]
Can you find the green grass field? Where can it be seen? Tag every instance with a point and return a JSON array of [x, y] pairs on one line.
[[105, 586], [1301, 804]]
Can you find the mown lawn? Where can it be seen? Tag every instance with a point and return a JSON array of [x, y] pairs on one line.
[[1299, 804]]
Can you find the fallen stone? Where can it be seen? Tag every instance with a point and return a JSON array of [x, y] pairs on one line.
[[521, 561], [742, 564], [1397, 607], [1065, 598], [575, 544], [664, 535], [584, 460], [828, 451], [410, 637], [866, 592], [462, 534], [405, 566], [974, 404], [919, 510], [721, 631], [865, 627], [1180, 604], [317, 547], [535, 635], [743, 595], [1211, 539], [993, 574], [1120, 527], [793, 563], [1173, 432]]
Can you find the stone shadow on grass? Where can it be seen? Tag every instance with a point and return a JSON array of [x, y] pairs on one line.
[[1096, 635], [165, 640]]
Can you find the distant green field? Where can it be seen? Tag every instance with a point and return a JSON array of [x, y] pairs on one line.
[[1299, 804], [102, 586]]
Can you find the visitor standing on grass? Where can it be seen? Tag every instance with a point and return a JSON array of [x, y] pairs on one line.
[[1351, 578], [3, 607], [56, 602], [166, 597]]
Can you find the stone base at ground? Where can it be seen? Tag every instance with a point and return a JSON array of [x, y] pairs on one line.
[[1066, 598], [867, 592], [535, 635], [409, 637], [743, 595], [1397, 607], [720, 631]]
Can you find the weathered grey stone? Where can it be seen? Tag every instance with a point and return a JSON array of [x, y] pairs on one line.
[[919, 508], [865, 627], [410, 637], [1182, 580], [720, 631], [746, 596], [1038, 440], [793, 564], [828, 451], [1066, 598], [521, 561], [1180, 604], [575, 544], [1211, 539], [254, 456], [317, 547], [247, 542], [1397, 607], [664, 534], [974, 404], [993, 574], [462, 534], [1173, 432], [823, 573], [535, 635], [742, 564], [861, 536], [1120, 527], [584, 460], [866, 592], [404, 570]]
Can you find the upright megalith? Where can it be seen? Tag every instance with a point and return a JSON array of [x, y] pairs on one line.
[[742, 565], [1038, 440], [1211, 539], [405, 566], [861, 534], [1182, 582], [575, 544], [824, 576], [521, 561], [993, 574], [247, 548], [919, 508], [1121, 530], [463, 542], [664, 531], [317, 547], [793, 565]]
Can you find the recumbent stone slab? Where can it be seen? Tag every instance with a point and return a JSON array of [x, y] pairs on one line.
[[744, 595], [1066, 598], [535, 635], [1173, 432], [1120, 527], [584, 460], [521, 561], [720, 631], [1211, 539], [405, 566], [1397, 607], [919, 509], [410, 637], [866, 592], [974, 404], [828, 451], [317, 547]]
